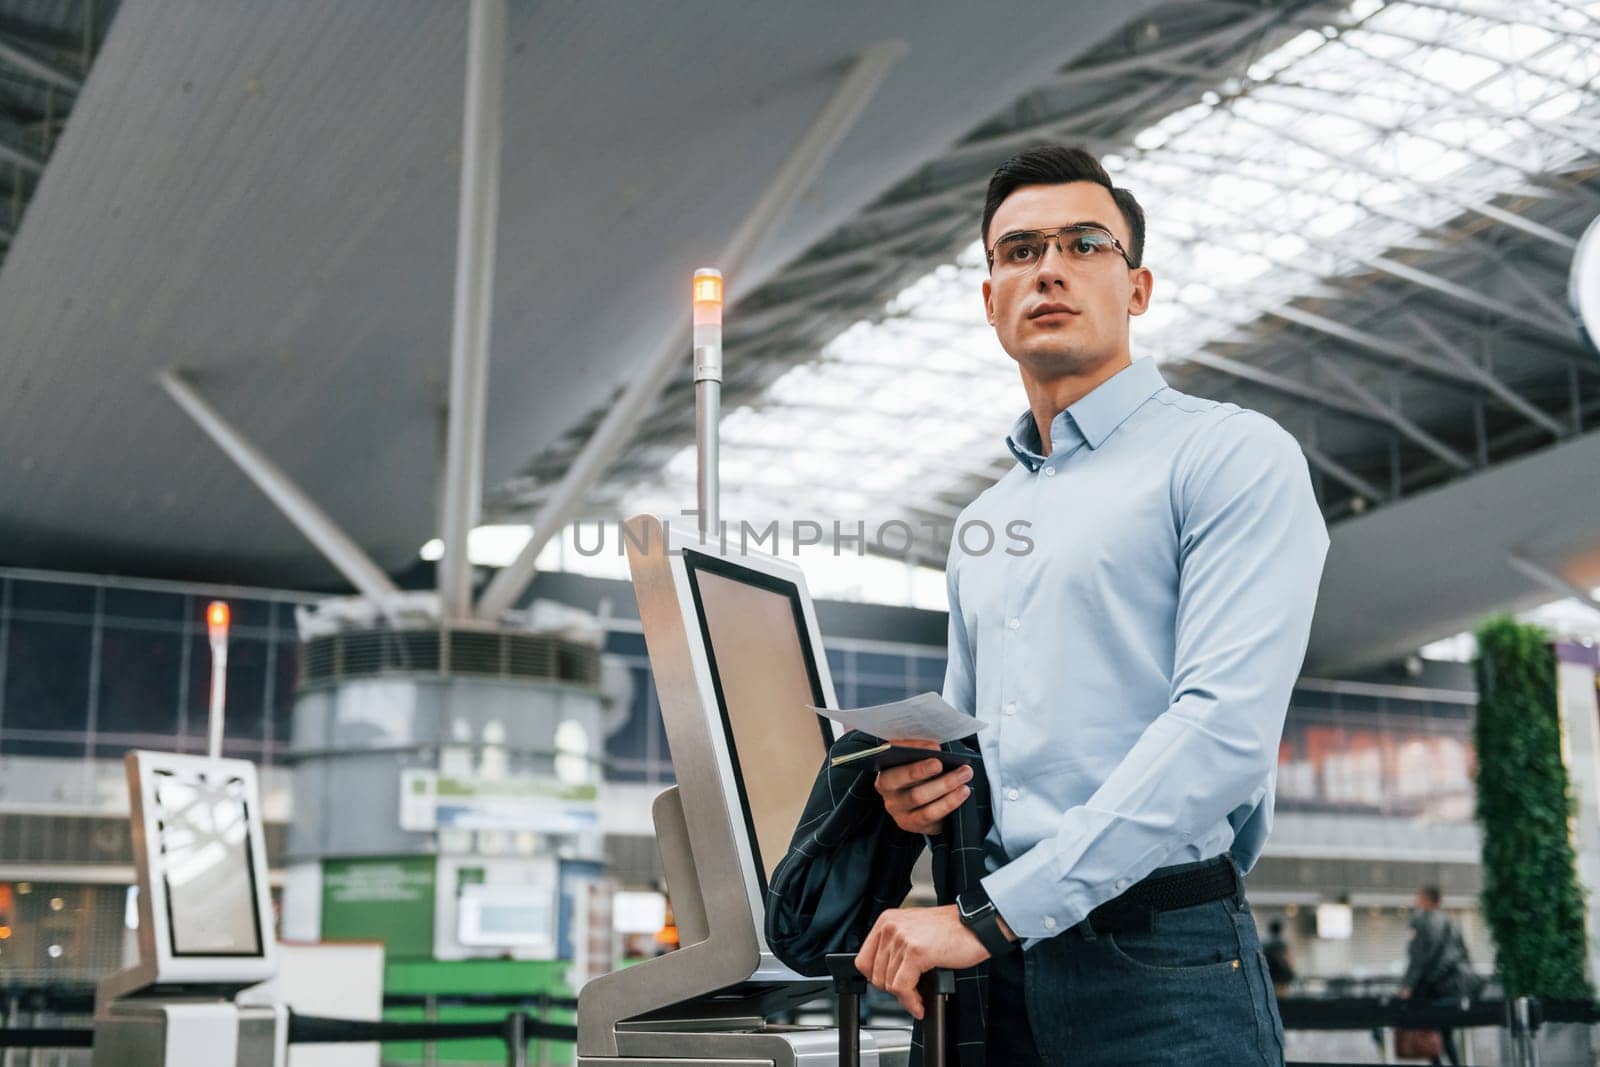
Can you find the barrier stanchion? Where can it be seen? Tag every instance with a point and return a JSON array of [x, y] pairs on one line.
[[516, 1036], [430, 1012], [1524, 1031]]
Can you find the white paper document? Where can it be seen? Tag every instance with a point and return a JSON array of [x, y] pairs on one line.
[[924, 717]]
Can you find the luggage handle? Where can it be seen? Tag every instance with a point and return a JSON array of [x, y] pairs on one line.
[[850, 985]]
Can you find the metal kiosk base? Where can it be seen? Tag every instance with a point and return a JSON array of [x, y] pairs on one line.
[[189, 1032], [774, 1045]]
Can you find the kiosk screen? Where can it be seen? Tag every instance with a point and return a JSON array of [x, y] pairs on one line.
[[206, 865], [765, 676]]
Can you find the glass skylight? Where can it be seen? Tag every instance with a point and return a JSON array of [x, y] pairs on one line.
[[1346, 140]]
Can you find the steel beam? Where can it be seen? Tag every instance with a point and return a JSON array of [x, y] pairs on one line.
[[1508, 218], [334, 544], [477, 218], [1488, 381], [1520, 18], [1466, 295], [1449, 98], [799, 170], [1278, 383], [1392, 415], [1552, 581], [1382, 346], [1340, 473], [18, 57], [16, 146], [1419, 277], [1466, 50], [1414, 275]]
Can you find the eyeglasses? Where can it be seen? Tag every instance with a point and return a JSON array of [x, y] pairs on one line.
[[1082, 244]]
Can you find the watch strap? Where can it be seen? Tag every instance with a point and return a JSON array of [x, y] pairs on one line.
[[979, 915]]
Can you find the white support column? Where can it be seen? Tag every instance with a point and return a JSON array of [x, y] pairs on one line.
[[1580, 750], [616, 429], [477, 219], [298, 508]]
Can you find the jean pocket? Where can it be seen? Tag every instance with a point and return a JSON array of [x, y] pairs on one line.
[[1198, 941]]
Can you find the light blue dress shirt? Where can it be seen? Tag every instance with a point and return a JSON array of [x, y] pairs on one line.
[[1135, 664]]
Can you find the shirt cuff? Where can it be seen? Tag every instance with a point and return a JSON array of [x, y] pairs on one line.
[[1030, 898]]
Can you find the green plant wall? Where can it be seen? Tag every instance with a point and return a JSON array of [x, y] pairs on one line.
[[1531, 898]]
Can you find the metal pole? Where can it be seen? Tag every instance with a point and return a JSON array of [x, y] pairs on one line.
[[12, 1016], [1525, 1024], [616, 429], [707, 395], [517, 1039], [217, 627], [476, 223], [430, 1012]]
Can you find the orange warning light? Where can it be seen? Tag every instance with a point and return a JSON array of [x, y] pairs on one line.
[[217, 618], [708, 286], [5, 933]]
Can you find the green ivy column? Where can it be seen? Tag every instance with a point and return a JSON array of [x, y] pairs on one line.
[[1531, 899]]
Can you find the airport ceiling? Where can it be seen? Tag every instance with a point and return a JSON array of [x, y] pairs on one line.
[[1360, 215]]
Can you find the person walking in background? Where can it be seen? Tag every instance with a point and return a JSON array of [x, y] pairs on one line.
[[1280, 961], [1438, 967]]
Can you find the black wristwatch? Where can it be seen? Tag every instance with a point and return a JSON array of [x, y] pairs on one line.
[[978, 914]]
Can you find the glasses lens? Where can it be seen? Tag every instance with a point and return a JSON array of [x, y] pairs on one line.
[[1016, 250], [1086, 243]]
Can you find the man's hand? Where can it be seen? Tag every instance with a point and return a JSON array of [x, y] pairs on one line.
[[917, 797], [906, 943]]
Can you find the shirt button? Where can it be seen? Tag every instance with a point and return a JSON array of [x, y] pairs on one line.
[[1049, 472], [1122, 883], [1049, 922], [1014, 624], [1011, 708], [1012, 794]]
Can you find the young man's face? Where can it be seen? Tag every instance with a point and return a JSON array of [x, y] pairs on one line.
[[1063, 314]]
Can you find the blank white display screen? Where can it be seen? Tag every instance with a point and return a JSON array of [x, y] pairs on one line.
[[765, 679], [207, 866]]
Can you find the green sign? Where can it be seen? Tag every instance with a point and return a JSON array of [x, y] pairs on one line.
[[388, 900]]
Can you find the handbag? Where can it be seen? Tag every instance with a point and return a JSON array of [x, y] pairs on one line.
[[1418, 1044]]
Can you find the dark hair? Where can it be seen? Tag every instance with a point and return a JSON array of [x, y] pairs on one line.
[[1275, 927], [1430, 893], [1057, 165]]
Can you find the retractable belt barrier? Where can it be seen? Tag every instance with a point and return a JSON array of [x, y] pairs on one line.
[[517, 1029], [538, 1002], [79, 1000], [1299, 1013], [47, 1037]]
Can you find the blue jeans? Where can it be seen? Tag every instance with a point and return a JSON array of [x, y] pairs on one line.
[[1191, 992]]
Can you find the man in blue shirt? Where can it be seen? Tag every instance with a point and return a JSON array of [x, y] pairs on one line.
[[1132, 664]]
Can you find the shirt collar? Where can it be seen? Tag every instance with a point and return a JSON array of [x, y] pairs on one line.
[[1092, 418]]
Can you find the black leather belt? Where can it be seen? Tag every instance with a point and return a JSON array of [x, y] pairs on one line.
[[1167, 889]]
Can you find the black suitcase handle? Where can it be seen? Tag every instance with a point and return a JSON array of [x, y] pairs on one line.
[[851, 985]]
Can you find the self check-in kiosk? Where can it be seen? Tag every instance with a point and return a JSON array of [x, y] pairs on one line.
[[737, 657], [205, 923]]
